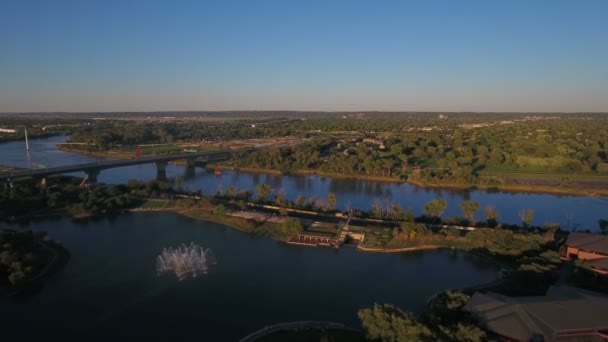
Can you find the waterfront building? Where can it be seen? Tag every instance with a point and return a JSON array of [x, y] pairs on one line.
[[592, 248], [563, 314]]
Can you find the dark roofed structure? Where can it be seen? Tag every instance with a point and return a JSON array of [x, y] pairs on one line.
[[592, 248], [589, 242], [599, 265], [563, 314]]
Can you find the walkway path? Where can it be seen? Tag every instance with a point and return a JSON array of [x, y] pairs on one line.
[[295, 326]]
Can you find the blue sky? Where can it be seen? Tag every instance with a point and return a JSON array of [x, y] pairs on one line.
[[304, 55]]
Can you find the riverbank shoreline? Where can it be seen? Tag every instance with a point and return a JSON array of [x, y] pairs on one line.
[[402, 249], [520, 188], [505, 187], [502, 187], [245, 225]]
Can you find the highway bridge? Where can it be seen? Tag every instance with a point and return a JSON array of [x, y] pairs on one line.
[[93, 169]]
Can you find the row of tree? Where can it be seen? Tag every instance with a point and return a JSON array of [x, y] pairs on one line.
[[430, 149], [380, 209]]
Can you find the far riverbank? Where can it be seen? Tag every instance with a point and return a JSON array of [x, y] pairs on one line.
[[582, 211], [520, 186], [503, 187]]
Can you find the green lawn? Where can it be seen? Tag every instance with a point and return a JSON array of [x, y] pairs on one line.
[[154, 204], [376, 237], [546, 175]]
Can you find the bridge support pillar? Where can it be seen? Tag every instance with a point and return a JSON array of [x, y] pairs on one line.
[[161, 171], [190, 169], [92, 175]]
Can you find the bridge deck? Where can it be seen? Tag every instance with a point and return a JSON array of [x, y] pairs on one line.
[[109, 164]]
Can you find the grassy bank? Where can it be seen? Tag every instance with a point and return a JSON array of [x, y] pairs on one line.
[[146, 151], [345, 176], [184, 207], [243, 169], [556, 176], [97, 154], [560, 189], [234, 222], [274, 231], [307, 173], [582, 184], [577, 190]]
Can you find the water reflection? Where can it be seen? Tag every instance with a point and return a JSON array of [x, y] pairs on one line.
[[583, 212]]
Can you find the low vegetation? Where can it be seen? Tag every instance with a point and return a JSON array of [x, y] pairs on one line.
[[25, 256]]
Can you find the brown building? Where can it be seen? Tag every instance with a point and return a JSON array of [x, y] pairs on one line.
[[313, 239], [592, 248], [563, 314]]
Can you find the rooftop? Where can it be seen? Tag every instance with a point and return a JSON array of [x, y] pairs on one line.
[[599, 263], [589, 242], [562, 312]]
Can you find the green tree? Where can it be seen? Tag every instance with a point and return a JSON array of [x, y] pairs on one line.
[[300, 202], [390, 324], [526, 216], [376, 209], [179, 182], [16, 277], [263, 191], [435, 207], [446, 308], [469, 208], [280, 200], [491, 215], [603, 226], [409, 215], [395, 211], [219, 210], [463, 333], [291, 227], [332, 201]]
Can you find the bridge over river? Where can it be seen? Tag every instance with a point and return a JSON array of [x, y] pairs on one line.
[[93, 169]]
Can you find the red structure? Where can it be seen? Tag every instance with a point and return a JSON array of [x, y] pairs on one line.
[[312, 239], [138, 152]]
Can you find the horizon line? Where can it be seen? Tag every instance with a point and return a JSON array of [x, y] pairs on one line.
[[308, 111]]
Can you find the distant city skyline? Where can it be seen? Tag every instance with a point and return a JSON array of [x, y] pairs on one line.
[[438, 56]]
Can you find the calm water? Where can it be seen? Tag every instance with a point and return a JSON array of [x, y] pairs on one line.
[[110, 288], [570, 211]]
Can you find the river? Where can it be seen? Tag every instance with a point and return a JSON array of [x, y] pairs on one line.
[[110, 288], [579, 212]]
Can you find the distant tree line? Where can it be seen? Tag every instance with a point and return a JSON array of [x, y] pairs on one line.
[[426, 149]]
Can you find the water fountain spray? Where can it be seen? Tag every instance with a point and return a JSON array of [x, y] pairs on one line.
[[185, 261]]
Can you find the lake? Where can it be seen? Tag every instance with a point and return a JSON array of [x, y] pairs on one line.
[[110, 288]]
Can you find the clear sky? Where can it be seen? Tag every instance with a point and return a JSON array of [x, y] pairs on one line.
[[85, 55]]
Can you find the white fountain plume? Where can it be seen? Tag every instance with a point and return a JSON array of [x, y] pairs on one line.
[[185, 261]]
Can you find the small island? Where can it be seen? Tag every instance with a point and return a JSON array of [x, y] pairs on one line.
[[26, 260]]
